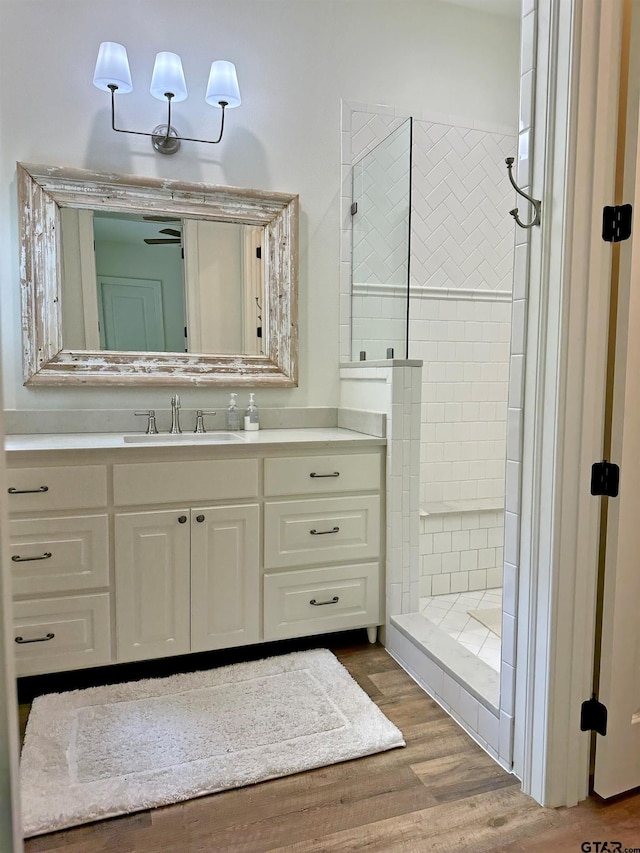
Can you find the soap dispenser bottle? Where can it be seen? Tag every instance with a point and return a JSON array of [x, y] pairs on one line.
[[233, 415], [251, 420]]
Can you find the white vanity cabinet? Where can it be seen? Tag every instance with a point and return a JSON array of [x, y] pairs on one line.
[[59, 560], [124, 553], [186, 578], [338, 534]]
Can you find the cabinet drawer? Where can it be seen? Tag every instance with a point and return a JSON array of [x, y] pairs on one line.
[[77, 549], [321, 531], [78, 628], [311, 601], [67, 487], [185, 482], [310, 475]]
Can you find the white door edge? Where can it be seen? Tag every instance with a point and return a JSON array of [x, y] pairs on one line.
[[574, 161]]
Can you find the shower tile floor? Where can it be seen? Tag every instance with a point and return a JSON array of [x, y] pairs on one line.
[[449, 612]]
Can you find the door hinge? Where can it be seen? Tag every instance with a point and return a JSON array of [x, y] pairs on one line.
[[354, 208], [616, 223], [593, 717], [605, 479]]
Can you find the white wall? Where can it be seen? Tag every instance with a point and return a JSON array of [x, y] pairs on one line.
[[296, 59]]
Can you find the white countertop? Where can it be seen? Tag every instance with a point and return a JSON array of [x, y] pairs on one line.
[[261, 438]]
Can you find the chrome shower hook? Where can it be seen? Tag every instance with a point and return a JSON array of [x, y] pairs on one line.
[[533, 201]]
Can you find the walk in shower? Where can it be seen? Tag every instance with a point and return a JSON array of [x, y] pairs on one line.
[[432, 266]]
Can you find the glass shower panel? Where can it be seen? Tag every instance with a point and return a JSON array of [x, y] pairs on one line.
[[381, 186]]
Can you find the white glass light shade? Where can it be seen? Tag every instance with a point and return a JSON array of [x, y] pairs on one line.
[[112, 67], [168, 76], [223, 84]]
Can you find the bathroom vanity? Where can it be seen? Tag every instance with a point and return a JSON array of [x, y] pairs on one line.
[[128, 548]]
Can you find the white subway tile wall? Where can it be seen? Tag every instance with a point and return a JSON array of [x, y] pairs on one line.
[[461, 551], [464, 344], [395, 390]]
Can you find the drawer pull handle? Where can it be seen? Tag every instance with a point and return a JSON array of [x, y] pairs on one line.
[[18, 559], [21, 641], [335, 474], [13, 491], [334, 600], [315, 532]]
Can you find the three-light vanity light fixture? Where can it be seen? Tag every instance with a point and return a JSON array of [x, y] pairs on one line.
[[113, 75]]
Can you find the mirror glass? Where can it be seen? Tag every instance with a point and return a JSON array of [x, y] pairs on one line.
[[155, 283], [146, 280]]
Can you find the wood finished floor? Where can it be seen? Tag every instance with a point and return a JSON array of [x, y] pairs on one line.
[[440, 793]]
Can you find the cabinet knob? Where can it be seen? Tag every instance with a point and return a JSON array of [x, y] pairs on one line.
[[182, 519], [200, 518]]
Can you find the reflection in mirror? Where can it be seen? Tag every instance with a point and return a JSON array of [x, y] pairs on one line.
[[217, 302], [151, 283]]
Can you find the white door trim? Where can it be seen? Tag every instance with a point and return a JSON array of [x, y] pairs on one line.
[[574, 161], [10, 821]]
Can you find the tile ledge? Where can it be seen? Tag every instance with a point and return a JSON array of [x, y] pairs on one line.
[[452, 507], [384, 362]]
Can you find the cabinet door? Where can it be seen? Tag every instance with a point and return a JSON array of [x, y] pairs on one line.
[[152, 584], [225, 577]]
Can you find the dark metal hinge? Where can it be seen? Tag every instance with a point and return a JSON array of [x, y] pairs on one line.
[[354, 208], [593, 717], [605, 479], [259, 252], [616, 223]]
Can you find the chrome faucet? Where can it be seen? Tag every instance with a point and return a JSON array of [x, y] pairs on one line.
[[175, 415]]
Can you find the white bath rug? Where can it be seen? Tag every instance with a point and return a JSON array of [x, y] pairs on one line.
[[490, 617], [92, 754]]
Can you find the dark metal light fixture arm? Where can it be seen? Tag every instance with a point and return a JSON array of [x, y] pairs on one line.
[[537, 205], [165, 137]]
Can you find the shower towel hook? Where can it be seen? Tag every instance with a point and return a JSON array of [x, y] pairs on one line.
[[536, 204]]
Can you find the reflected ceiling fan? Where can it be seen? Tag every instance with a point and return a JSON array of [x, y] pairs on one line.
[[175, 237]]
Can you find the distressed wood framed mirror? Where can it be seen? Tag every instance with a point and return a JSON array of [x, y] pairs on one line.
[[99, 305]]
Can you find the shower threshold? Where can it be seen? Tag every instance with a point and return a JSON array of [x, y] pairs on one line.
[[476, 676]]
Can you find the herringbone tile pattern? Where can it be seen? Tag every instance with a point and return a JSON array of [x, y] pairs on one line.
[[462, 234], [368, 130]]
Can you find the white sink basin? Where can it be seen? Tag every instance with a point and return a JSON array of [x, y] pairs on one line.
[[183, 438]]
